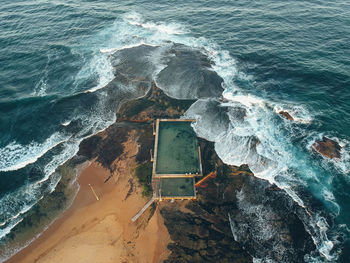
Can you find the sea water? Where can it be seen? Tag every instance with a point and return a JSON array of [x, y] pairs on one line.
[[56, 58]]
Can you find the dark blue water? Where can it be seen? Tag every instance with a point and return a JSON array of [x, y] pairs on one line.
[[55, 62]]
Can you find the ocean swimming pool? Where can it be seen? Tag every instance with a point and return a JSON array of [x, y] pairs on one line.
[[181, 187], [177, 149]]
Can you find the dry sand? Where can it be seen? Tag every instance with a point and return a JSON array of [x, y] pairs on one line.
[[102, 231]]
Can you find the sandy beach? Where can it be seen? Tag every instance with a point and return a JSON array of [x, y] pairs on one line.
[[102, 231]]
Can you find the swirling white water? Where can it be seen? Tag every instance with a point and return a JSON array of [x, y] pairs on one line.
[[245, 126]]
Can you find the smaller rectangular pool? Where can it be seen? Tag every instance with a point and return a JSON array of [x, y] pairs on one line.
[[177, 187]]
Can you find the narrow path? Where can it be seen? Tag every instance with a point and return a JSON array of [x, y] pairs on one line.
[[144, 208]]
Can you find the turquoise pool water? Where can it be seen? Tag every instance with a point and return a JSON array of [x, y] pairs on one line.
[[177, 187], [177, 148]]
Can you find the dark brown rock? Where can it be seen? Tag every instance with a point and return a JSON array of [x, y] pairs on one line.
[[190, 245], [202, 232], [208, 219], [327, 147], [286, 115]]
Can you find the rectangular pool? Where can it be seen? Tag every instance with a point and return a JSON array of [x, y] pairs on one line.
[[177, 149]]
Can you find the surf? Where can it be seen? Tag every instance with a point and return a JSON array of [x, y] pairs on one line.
[[245, 127]]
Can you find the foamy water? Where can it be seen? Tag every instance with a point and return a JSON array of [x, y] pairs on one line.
[[243, 123]]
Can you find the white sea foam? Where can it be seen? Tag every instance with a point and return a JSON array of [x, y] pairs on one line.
[[260, 225], [235, 141], [16, 204], [263, 260], [15, 156], [256, 139], [261, 214], [102, 67], [66, 123], [13, 205], [5, 255], [323, 244], [209, 124], [112, 50], [41, 87], [122, 35], [7, 230], [15, 216], [246, 100], [298, 112], [171, 28], [161, 33], [69, 149]]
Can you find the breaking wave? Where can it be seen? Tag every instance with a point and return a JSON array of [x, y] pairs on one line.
[[252, 133], [246, 128], [15, 156]]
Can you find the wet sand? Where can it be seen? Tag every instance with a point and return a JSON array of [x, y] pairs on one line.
[[102, 231]]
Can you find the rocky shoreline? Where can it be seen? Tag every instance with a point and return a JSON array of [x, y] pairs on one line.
[[202, 231], [236, 217]]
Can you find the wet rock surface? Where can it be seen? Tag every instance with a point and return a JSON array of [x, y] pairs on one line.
[[188, 74], [183, 72], [200, 238], [328, 148], [286, 115], [236, 216], [235, 206]]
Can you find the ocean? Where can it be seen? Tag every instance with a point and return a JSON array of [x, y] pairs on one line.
[[57, 57]]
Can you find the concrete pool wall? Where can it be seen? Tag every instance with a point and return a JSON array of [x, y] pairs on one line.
[[177, 159]]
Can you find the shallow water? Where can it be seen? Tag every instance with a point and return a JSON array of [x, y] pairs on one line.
[[177, 151], [57, 57]]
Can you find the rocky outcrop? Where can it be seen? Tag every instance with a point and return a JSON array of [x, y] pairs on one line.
[[286, 115], [201, 232], [227, 222], [235, 217], [328, 148], [201, 237], [186, 74]]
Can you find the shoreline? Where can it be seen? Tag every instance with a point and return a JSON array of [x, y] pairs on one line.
[[103, 226], [120, 157]]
